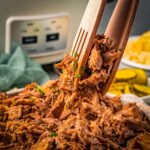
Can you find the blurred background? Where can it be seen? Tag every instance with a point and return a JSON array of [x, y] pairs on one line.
[[44, 31]]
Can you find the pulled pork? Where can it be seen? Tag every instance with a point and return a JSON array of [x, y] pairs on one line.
[[55, 116]]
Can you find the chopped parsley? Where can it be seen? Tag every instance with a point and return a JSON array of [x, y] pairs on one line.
[[37, 88], [74, 65], [64, 72], [75, 54], [53, 134], [56, 90], [31, 98], [77, 76]]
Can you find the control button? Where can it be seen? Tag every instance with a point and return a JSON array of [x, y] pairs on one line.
[[23, 31], [36, 30], [30, 51], [30, 24], [50, 48], [53, 21], [58, 27], [52, 37], [29, 40], [47, 29]]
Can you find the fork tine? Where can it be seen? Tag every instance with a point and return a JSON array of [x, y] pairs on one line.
[[80, 41], [83, 43], [89, 22], [75, 42]]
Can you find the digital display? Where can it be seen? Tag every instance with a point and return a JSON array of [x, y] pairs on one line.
[[29, 40], [52, 37]]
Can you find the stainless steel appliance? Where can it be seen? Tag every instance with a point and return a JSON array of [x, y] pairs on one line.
[[39, 36], [44, 29]]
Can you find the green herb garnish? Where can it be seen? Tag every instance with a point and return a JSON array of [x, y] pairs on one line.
[[75, 54], [64, 72], [56, 90], [53, 134], [74, 65], [77, 76], [37, 88], [31, 99]]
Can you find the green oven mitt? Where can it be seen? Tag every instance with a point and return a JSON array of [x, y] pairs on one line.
[[17, 70]]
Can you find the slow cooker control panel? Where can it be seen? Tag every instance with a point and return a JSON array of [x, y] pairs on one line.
[[38, 35]]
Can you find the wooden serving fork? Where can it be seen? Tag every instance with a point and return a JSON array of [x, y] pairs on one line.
[[86, 33], [118, 31]]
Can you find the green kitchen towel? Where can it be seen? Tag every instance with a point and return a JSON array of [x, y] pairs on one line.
[[17, 70]]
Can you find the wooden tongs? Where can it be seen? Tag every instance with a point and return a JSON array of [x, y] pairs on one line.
[[118, 31]]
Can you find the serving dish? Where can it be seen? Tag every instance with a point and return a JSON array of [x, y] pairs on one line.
[[142, 103], [127, 63]]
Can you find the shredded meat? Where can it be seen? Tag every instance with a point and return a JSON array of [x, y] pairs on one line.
[[95, 60], [110, 56], [56, 116]]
